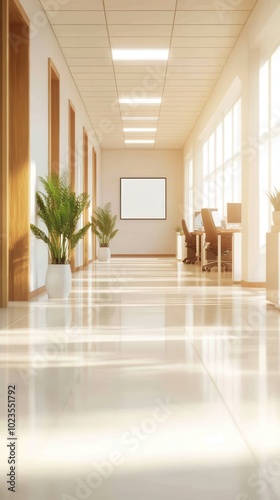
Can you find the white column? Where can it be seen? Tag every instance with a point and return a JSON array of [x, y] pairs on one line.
[[253, 267]]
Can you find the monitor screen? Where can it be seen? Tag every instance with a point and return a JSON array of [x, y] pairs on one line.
[[234, 213], [216, 218], [197, 220]]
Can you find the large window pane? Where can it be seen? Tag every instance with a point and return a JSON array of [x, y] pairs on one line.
[[264, 98], [219, 145], [211, 149], [222, 162], [237, 127], [275, 86], [269, 131], [228, 136], [264, 205]]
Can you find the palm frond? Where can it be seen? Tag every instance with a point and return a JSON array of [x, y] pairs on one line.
[[60, 209], [103, 224], [274, 198]]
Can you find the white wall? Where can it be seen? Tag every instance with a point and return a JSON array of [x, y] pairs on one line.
[[144, 236], [43, 45], [240, 77]]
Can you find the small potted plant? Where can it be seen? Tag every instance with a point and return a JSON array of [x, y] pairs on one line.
[[179, 230], [103, 226], [274, 198], [60, 209], [180, 242]]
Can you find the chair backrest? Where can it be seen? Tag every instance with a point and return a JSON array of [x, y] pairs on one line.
[[188, 237], [210, 229]]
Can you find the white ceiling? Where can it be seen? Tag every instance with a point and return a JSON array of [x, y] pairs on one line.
[[199, 33]]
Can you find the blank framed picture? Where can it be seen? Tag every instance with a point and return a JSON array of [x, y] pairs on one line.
[[143, 198]]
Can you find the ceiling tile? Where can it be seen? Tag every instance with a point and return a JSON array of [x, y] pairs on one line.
[[140, 4], [72, 5], [140, 30], [189, 79], [203, 41], [133, 42], [206, 30], [131, 77], [90, 52], [155, 70], [199, 52], [95, 85], [94, 96], [191, 93], [190, 70], [139, 87], [89, 61], [80, 30], [198, 61], [215, 5], [79, 17], [98, 100], [91, 70], [140, 17], [208, 17], [99, 78], [188, 88], [86, 42]]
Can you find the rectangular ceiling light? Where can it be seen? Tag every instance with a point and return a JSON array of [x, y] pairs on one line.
[[135, 118], [140, 54], [139, 141], [140, 100], [136, 129]]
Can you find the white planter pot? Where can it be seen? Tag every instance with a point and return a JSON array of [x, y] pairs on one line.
[[104, 254], [58, 281], [180, 246], [276, 217]]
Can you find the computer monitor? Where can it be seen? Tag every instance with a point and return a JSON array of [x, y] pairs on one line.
[[233, 213], [197, 221]]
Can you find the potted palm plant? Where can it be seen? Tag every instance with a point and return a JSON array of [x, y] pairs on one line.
[[60, 209], [274, 198], [180, 242], [103, 226]]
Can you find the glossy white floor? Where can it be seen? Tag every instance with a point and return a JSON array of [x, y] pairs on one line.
[[151, 382]]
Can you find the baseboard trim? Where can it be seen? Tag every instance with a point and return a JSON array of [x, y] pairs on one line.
[[37, 292], [123, 255], [253, 284]]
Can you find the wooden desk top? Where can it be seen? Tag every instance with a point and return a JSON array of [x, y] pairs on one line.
[[229, 231], [220, 231]]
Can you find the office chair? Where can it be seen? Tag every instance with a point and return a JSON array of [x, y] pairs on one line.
[[190, 244], [211, 240]]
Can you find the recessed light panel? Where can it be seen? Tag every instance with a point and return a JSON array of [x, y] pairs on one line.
[[140, 54], [136, 129], [140, 100], [139, 141], [140, 118]]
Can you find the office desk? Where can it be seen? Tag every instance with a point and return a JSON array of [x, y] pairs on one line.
[[236, 252], [199, 236]]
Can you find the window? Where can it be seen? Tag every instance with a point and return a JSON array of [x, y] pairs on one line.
[[222, 162], [188, 188], [269, 137]]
